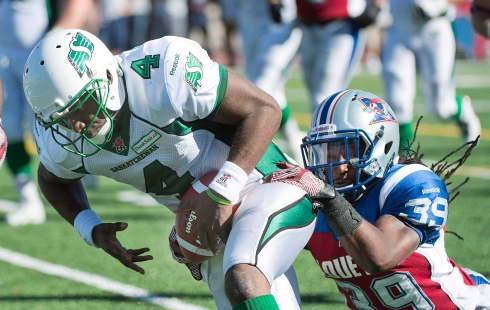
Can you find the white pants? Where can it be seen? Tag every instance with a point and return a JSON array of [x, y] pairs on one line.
[[430, 48], [270, 228], [330, 54]]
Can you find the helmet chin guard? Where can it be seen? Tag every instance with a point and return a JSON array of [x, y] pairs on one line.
[[62, 72], [353, 128]]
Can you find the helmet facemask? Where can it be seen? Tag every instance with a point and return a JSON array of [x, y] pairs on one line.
[[98, 91], [71, 70], [326, 152]]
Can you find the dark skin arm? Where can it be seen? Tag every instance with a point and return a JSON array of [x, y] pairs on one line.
[[68, 197], [382, 246], [257, 116]]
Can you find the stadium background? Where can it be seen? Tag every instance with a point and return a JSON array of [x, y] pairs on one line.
[[49, 267]]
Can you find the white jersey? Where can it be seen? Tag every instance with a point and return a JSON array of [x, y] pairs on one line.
[[167, 141]]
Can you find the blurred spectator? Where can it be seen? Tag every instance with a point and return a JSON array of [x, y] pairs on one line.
[[198, 23], [27, 22], [229, 15], [139, 21], [115, 27], [168, 17]]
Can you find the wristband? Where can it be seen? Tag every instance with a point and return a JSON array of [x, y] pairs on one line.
[[217, 199], [341, 216], [84, 224], [229, 181]]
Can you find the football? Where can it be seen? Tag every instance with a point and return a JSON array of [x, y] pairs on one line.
[[186, 225]]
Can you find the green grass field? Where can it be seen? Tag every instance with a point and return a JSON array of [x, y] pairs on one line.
[[50, 267]]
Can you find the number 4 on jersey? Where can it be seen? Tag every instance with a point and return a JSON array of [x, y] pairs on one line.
[[143, 66]]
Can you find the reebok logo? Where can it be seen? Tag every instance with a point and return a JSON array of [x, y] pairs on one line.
[[431, 190], [175, 63]]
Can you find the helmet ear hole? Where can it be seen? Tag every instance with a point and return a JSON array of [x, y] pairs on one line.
[[388, 147]]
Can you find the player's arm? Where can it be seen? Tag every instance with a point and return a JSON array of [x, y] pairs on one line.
[[374, 247], [480, 17], [382, 246], [69, 199], [67, 196], [257, 116]]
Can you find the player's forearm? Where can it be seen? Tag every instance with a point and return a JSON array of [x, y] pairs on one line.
[[380, 247], [257, 117], [365, 248], [253, 137], [67, 199]]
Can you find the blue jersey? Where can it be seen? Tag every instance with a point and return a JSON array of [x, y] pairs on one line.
[[428, 278]]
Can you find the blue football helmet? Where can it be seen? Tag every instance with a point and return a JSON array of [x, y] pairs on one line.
[[354, 129]]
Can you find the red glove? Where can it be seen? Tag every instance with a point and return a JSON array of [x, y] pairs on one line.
[[3, 145], [297, 176]]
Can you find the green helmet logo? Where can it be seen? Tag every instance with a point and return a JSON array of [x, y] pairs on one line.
[[81, 50]]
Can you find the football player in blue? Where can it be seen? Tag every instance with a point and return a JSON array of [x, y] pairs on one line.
[[380, 235]]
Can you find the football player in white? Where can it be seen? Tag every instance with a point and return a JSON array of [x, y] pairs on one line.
[[159, 117], [27, 21], [333, 42], [270, 44], [420, 39], [381, 231]]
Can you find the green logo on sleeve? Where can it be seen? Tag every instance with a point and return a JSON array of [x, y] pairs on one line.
[[81, 50], [193, 72]]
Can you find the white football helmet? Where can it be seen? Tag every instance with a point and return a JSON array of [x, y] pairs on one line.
[[360, 125], [62, 72]]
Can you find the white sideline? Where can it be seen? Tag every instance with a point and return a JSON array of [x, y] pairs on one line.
[[94, 280]]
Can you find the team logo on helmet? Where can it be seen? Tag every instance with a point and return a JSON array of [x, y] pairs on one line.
[[378, 108], [193, 72], [81, 49]]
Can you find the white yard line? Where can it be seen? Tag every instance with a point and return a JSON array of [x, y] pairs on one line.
[[94, 280]]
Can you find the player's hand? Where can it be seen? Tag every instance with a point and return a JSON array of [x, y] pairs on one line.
[[212, 219], [3, 145], [104, 236], [324, 197]]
